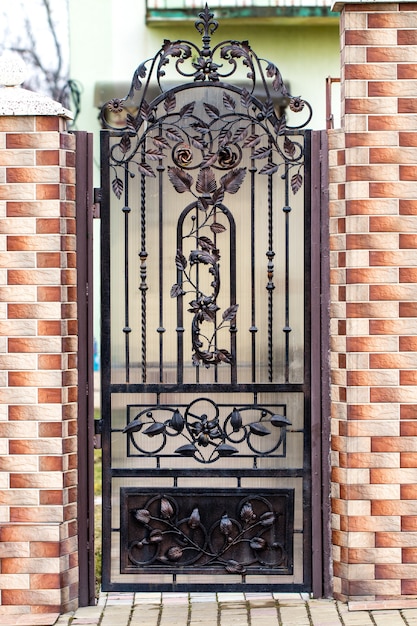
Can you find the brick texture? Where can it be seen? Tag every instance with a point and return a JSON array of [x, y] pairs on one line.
[[38, 386], [373, 195]]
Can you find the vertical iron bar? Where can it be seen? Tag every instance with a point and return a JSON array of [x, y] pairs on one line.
[[126, 329], [233, 328], [287, 328], [180, 314], [143, 287], [161, 329], [310, 335], [329, 113], [315, 372], [325, 365], [106, 353], [216, 372], [197, 276], [270, 272], [84, 221], [253, 328]]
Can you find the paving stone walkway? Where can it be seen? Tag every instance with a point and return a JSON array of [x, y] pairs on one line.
[[229, 609], [222, 609]]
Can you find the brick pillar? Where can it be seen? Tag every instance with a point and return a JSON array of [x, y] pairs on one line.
[[38, 349], [373, 224]]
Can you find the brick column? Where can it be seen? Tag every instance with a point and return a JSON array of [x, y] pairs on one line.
[[373, 224], [38, 349]]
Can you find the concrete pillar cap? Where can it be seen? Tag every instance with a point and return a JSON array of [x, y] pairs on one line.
[[14, 100], [339, 4]]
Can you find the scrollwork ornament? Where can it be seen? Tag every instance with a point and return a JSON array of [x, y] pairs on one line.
[[208, 432]]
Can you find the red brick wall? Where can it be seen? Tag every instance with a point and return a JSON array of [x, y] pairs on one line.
[[373, 208], [38, 377]]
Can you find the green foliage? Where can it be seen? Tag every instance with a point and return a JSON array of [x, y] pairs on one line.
[[97, 518]]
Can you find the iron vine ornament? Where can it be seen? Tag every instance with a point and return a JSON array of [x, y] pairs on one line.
[[204, 306], [251, 533], [250, 430]]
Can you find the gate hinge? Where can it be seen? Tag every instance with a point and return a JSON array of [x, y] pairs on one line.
[[98, 429], [98, 426], [98, 195]]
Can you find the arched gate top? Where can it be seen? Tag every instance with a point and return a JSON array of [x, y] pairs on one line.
[[183, 64]]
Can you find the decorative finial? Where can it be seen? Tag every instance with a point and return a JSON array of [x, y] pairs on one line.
[[206, 26], [13, 69]]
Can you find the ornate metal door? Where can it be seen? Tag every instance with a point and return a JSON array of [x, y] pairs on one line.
[[205, 324]]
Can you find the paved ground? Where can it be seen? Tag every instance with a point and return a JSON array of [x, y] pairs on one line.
[[223, 609], [227, 609]]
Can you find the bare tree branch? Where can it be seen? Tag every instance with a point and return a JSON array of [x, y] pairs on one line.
[[39, 41], [54, 36]]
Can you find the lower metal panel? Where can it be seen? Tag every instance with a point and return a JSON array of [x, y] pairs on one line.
[[233, 531]]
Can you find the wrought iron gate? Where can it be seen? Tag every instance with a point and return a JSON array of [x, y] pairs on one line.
[[206, 324]]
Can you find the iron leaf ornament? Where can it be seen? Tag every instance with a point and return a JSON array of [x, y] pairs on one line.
[[204, 306], [218, 140]]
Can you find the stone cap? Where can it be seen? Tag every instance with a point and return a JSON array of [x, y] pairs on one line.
[[14, 100], [339, 4]]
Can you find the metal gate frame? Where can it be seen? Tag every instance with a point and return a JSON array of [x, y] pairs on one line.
[[320, 401], [84, 235], [320, 369]]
